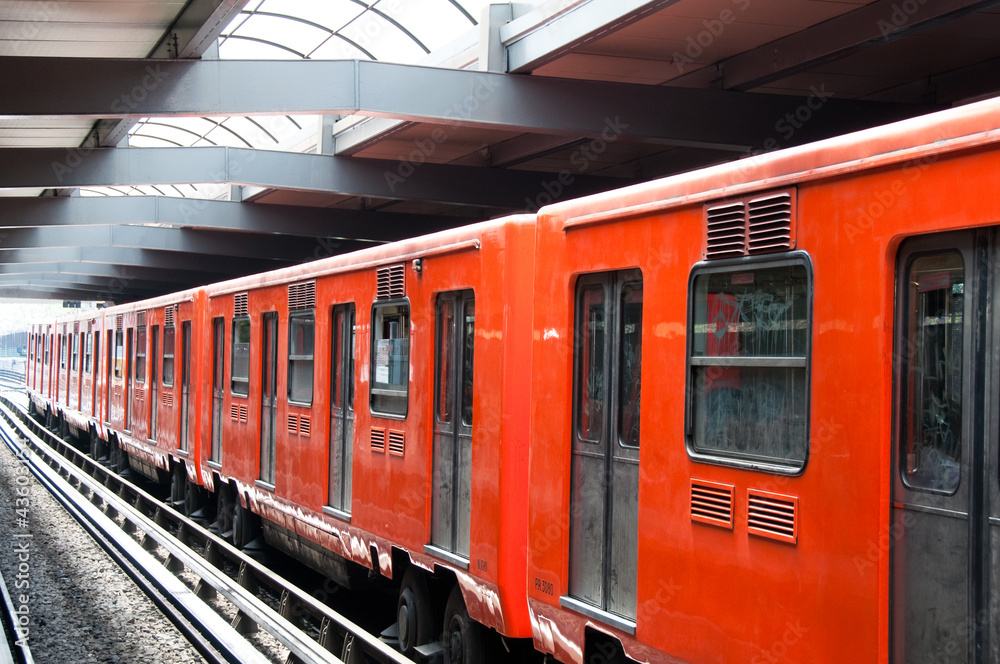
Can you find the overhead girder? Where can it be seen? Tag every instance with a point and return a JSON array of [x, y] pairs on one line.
[[536, 38], [211, 243], [869, 25], [221, 266], [718, 119], [204, 214], [195, 30], [376, 178], [122, 273]]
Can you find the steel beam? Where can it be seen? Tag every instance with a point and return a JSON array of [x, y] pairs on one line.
[[84, 87], [375, 178], [210, 243], [217, 215], [222, 267], [111, 272], [871, 25], [546, 33]]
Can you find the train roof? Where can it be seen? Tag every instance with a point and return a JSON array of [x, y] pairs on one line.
[[959, 128]]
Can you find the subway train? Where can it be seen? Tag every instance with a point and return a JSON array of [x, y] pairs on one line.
[[743, 414]]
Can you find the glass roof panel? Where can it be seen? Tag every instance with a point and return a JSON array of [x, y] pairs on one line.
[[293, 34], [434, 22]]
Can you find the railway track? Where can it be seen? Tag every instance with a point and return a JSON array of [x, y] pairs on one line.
[[218, 596]]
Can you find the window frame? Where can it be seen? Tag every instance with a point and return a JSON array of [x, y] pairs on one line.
[[140, 354], [169, 356], [404, 394], [233, 378], [790, 467], [310, 315]]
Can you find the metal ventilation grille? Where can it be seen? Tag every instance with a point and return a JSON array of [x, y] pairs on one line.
[[240, 305], [726, 229], [302, 296], [168, 316], [293, 424], [770, 223], [243, 414], [712, 503], [751, 225], [378, 439], [119, 321], [234, 413], [391, 281], [140, 319], [772, 515], [305, 426], [167, 399], [397, 443]]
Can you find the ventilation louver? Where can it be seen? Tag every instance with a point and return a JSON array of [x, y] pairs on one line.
[[293, 424], [305, 426], [168, 316], [119, 321], [397, 443], [712, 503], [240, 305], [391, 283], [140, 319], [772, 515], [302, 296], [751, 225], [378, 439]]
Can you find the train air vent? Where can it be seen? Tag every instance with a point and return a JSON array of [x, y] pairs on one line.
[[119, 321], [391, 282], [234, 413], [140, 319], [302, 296], [168, 315], [751, 225], [378, 439], [305, 426], [293, 425], [772, 515], [727, 233], [243, 414], [240, 305], [712, 503], [397, 443]]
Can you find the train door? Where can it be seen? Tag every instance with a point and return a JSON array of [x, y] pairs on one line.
[[268, 396], [341, 408], [452, 497], [218, 389], [945, 530], [127, 401], [605, 445], [183, 441], [107, 377], [154, 383]]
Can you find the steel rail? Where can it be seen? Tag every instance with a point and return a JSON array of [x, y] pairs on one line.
[[334, 631]]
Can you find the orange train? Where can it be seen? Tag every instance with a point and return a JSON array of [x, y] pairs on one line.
[[743, 414]]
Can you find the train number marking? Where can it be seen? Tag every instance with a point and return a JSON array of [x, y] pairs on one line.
[[544, 586]]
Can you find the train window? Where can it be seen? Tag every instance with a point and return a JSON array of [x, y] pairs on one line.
[[390, 359], [301, 339], [240, 380], [119, 353], [74, 353], [749, 336], [88, 353], [62, 351], [931, 386], [168, 355], [140, 355]]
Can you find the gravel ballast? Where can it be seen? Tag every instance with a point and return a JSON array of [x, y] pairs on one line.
[[80, 606]]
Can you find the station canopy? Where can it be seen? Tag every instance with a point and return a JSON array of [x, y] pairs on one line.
[[156, 145]]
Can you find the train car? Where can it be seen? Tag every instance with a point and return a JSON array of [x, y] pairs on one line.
[[152, 386], [369, 408], [810, 472]]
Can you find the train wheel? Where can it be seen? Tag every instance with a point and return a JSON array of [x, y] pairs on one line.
[[177, 485], [463, 638], [245, 529], [225, 512], [414, 617]]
